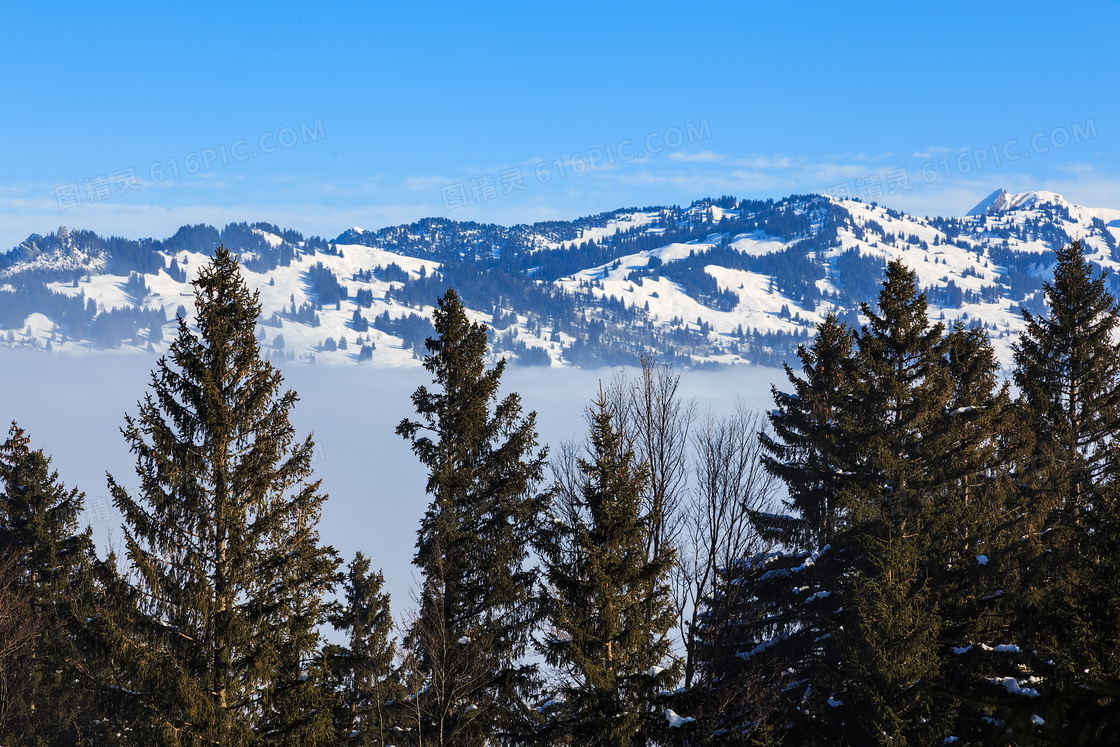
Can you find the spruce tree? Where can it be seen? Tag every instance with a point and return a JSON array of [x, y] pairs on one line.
[[475, 614], [889, 640], [608, 603], [18, 631], [361, 668], [214, 630], [809, 455], [296, 703], [767, 652], [51, 557], [1067, 368], [770, 626], [971, 538], [769, 640], [843, 636]]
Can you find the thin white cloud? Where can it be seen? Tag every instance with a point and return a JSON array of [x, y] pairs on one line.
[[934, 150], [704, 156], [766, 162], [428, 183], [158, 221]]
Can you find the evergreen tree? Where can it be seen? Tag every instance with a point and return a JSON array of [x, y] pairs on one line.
[[767, 646], [51, 557], [1086, 716], [215, 630], [770, 626], [1067, 369], [971, 539], [608, 602], [888, 643], [809, 421], [18, 631], [475, 613], [297, 702], [362, 667], [769, 642], [843, 637]]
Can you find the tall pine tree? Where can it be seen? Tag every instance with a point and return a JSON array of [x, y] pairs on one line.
[[608, 602], [362, 671], [889, 653], [888, 449], [810, 451], [768, 640], [475, 614], [51, 556], [215, 631], [1067, 368]]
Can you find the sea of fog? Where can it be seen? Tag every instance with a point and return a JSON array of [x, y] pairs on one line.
[[73, 408]]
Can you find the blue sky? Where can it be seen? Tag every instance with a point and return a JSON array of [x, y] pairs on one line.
[[135, 119]]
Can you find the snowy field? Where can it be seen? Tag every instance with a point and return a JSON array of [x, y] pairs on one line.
[[73, 407]]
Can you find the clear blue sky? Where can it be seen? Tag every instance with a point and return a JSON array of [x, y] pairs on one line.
[[390, 113]]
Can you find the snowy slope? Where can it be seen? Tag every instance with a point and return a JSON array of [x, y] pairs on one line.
[[965, 262]]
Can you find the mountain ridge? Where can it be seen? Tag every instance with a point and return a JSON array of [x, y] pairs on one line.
[[722, 281]]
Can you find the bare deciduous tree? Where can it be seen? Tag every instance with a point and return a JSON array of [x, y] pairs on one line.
[[730, 483], [651, 412]]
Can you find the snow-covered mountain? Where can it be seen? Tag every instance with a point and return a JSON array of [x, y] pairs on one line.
[[722, 281]]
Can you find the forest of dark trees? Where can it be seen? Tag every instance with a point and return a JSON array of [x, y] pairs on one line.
[[906, 549]]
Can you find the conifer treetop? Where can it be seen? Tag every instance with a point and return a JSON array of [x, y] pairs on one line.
[[1066, 364], [228, 576]]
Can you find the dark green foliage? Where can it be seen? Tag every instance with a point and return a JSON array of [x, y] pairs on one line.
[[765, 651], [51, 560], [606, 596], [1068, 370], [325, 286], [889, 453], [361, 669], [215, 632], [970, 537], [1085, 716], [809, 423], [947, 561], [912, 452], [18, 633], [475, 616]]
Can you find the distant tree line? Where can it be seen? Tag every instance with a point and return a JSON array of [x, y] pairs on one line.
[[511, 269]]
